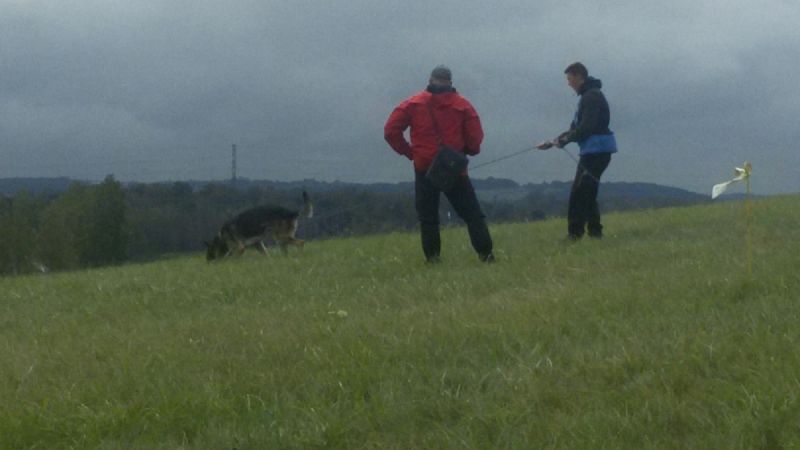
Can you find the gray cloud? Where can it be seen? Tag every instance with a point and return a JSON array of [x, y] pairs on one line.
[[157, 90]]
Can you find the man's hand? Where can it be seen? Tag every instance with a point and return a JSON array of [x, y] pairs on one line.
[[562, 140], [545, 145]]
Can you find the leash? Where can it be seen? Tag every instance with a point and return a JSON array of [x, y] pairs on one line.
[[578, 162], [510, 155], [525, 150]]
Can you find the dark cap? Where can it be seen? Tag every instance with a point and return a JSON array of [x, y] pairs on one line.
[[442, 73]]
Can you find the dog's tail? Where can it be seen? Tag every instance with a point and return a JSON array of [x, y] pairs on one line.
[[308, 207]]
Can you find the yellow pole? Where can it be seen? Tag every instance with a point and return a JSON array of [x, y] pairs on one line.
[[748, 220]]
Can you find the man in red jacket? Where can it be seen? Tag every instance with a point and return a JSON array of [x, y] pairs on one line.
[[440, 114]]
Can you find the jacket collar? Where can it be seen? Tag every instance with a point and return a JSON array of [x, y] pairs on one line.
[[437, 89]]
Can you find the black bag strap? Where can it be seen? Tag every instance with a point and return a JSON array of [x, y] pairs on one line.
[[435, 123]]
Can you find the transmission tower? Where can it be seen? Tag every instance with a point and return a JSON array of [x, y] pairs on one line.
[[233, 164]]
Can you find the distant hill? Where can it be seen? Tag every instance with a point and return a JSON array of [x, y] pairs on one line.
[[489, 189], [10, 186]]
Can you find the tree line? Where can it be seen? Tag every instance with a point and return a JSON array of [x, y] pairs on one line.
[[91, 225], [82, 227]]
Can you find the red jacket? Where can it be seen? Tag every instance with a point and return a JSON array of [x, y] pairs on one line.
[[458, 123]]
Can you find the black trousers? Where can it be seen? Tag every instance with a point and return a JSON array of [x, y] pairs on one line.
[[465, 203], [583, 209]]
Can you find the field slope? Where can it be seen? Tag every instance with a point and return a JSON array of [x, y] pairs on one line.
[[655, 337]]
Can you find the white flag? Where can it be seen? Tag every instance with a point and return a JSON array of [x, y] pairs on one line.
[[740, 173]]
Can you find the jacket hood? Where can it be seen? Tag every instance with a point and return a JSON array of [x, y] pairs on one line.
[[591, 83]]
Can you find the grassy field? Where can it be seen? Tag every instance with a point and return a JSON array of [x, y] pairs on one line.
[[655, 337]]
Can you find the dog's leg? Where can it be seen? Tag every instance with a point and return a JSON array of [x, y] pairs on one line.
[[291, 240], [299, 243], [228, 250]]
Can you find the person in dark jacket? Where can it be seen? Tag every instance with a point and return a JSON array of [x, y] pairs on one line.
[[589, 128], [440, 114]]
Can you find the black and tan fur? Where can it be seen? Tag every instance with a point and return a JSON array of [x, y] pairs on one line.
[[253, 226]]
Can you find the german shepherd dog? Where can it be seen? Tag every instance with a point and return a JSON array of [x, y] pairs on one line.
[[253, 226]]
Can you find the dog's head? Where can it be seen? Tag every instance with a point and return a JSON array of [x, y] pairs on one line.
[[216, 249]]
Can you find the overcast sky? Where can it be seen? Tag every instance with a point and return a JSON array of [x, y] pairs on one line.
[[160, 90]]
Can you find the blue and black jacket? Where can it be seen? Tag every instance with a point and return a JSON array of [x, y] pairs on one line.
[[589, 127]]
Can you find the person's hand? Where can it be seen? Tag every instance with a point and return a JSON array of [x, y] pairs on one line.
[[562, 140], [545, 145]]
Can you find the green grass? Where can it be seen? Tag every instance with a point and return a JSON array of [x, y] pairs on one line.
[[655, 337]]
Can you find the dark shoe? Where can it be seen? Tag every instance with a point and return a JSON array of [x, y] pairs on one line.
[[487, 258], [433, 259], [573, 238], [595, 230]]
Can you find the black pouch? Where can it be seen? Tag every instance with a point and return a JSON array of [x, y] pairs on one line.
[[447, 166]]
